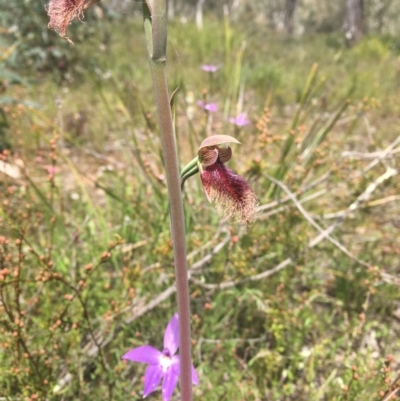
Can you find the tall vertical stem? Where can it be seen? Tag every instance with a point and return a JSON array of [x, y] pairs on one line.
[[155, 24]]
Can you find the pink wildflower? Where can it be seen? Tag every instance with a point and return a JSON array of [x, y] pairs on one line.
[[241, 120], [210, 107], [161, 364], [210, 67]]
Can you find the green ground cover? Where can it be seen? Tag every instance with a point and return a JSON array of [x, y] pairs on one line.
[[305, 305]]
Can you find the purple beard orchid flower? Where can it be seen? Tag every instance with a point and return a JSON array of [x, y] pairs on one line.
[[162, 364], [229, 192], [210, 107], [241, 120]]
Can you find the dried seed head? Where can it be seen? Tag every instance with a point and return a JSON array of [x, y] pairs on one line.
[[62, 12]]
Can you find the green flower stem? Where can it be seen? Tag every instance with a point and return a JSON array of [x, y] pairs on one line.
[[189, 166], [190, 169], [155, 25], [191, 172]]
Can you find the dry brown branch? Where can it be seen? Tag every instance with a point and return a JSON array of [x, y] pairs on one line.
[[143, 306], [364, 197], [382, 201], [383, 154], [302, 190], [323, 233], [388, 395], [229, 284], [207, 245], [12, 170], [202, 341], [207, 258], [283, 208], [371, 155]]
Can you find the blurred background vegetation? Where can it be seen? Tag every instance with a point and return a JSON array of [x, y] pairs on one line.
[[305, 305]]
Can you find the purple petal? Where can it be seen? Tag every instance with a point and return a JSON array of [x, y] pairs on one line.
[[175, 365], [144, 354], [171, 335], [195, 378], [211, 107], [176, 368], [241, 120], [210, 67], [169, 383], [152, 379]]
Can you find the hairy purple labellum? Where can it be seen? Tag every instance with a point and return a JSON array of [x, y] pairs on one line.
[[229, 192], [62, 12]]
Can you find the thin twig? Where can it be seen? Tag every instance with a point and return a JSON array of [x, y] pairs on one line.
[[372, 155], [256, 277], [323, 232], [302, 190], [364, 196], [207, 258], [389, 396], [202, 340], [283, 208], [382, 155], [202, 248]]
